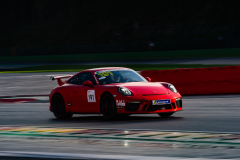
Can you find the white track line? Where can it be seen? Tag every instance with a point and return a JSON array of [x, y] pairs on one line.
[[91, 156]]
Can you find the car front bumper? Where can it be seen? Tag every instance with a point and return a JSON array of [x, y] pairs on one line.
[[137, 105]]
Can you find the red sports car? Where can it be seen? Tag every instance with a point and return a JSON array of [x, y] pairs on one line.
[[112, 91]]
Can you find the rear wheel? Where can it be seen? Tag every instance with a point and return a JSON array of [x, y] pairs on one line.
[[108, 106], [165, 114], [58, 107]]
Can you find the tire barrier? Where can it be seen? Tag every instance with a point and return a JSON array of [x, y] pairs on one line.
[[214, 80]]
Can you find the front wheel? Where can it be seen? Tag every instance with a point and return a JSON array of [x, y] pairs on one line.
[[165, 114], [58, 107], [108, 107], [124, 114]]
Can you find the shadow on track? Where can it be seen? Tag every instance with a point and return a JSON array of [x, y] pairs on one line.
[[129, 119]]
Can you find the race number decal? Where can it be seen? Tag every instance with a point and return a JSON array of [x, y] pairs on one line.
[[91, 96], [105, 74]]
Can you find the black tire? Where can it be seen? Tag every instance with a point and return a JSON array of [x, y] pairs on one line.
[[58, 107], [108, 106], [124, 114], [165, 114]]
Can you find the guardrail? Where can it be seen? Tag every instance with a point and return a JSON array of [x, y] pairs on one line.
[[214, 80]]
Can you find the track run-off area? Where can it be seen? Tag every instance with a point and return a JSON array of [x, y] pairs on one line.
[[207, 128]]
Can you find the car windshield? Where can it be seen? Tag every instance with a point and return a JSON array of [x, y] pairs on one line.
[[118, 76]]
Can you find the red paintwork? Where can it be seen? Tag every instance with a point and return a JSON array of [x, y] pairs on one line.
[[148, 79], [142, 91]]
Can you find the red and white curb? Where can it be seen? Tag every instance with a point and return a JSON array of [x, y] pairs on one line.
[[24, 99]]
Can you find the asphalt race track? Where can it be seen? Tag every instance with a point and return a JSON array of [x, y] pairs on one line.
[[28, 83], [216, 115], [209, 114], [201, 113]]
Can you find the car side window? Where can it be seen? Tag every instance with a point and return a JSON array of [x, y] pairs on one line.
[[74, 80], [86, 76]]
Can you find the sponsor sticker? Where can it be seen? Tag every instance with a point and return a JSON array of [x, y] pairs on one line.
[[120, 102], [91, 96], [107, 72], [101, 78], [161, 102], [104, 74]]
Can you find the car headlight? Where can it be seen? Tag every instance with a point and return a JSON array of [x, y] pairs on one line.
[[124, 91], [172, 88]]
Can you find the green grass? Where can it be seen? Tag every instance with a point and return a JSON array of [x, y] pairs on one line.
[[77, 68], [226, 52]]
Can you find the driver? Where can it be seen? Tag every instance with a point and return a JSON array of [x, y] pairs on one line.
[[116, 77]]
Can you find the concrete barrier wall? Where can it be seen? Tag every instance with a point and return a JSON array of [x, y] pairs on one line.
[[214, 80]]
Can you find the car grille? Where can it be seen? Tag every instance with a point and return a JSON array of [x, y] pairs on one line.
[[173, 105], [132, 106], [179, 103], [144, 108], [159, 107]]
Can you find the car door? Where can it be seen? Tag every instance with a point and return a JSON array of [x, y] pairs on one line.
[[83, 98]]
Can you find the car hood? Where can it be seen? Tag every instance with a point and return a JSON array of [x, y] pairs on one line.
[[145, 88]]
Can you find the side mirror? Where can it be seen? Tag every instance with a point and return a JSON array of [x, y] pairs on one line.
[[88, 83], [148, 79]]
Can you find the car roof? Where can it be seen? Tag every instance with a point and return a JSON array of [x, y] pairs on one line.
[[105, 68]]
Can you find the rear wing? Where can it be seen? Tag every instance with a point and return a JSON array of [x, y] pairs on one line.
[[58, 78]]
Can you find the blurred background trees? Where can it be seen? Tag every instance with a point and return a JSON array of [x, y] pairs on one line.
[[45, 23]]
